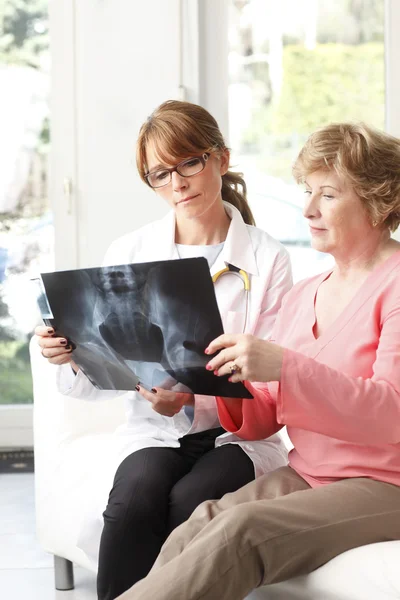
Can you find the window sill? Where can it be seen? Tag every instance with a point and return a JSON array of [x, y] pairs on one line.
[[16, 429]]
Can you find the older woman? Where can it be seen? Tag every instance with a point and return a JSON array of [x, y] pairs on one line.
[[331, 374]]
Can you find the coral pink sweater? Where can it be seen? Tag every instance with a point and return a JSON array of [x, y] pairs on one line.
[[339, 395]]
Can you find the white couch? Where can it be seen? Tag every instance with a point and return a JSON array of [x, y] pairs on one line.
[[70, 435]]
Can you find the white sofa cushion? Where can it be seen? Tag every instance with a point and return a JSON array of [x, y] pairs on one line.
[[368, 573]]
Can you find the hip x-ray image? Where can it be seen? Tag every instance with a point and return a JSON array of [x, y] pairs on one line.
[[145, 322]]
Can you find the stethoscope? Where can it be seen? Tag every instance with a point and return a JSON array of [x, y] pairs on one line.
[[246, 283]]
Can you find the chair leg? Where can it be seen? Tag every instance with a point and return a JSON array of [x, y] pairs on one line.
[[63, 573]]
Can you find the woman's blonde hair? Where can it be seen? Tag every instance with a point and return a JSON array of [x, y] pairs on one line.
[[368, 159], [179, 130]]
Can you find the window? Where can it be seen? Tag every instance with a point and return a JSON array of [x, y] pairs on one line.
[[295, 65], [26, 230]]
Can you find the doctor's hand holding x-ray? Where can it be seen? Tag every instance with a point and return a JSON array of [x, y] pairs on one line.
[[166, 402]]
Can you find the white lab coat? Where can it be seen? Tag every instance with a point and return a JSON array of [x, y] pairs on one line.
[[268, 265]]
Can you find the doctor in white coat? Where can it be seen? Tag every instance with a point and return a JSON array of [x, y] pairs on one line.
[[172, 453]]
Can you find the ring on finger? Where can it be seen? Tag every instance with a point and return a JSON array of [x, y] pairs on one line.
[[41, 352], [234, 369]]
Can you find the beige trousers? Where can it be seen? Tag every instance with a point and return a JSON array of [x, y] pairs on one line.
[[273, 529]]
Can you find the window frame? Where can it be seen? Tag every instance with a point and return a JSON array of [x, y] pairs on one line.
[[16, 421]]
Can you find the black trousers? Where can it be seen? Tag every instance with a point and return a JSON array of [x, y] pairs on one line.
[[154, 491]]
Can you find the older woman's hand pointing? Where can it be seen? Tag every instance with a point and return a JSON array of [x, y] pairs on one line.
[[245, 357]]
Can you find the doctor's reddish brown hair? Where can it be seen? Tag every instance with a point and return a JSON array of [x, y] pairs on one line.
[[365, 158], [179, 130]]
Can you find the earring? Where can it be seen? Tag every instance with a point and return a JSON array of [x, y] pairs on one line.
[[374, 223]]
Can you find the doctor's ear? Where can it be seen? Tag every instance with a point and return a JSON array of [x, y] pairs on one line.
[[224, 158]]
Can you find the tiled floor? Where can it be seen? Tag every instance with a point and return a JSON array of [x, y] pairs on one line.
[[26, 571]]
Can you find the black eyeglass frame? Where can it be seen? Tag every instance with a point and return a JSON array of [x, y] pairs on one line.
[[203, 159]]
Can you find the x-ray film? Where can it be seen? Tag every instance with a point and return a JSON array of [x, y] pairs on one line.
[[41, 299], [145, 322]]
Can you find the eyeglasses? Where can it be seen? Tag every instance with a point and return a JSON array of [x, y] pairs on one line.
[[186, 168]]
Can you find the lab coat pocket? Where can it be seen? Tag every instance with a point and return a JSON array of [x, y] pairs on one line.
[[233, 321]]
